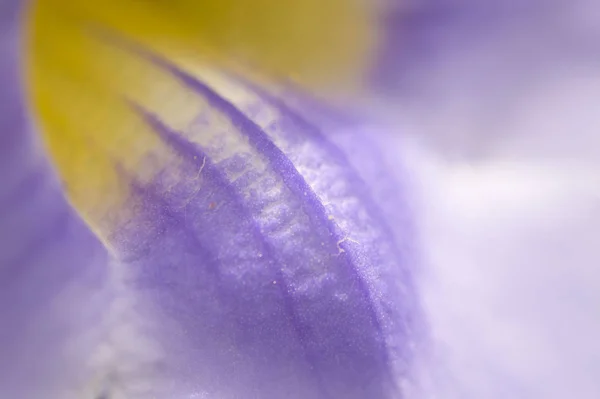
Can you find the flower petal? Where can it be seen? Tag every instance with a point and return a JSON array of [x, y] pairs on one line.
[[256, 255], [77, 86], [53, 271]]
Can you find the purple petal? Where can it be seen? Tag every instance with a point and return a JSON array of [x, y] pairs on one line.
[[52, 270], [263, 265], [274, 260]]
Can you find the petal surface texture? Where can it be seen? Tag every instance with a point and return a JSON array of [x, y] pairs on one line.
[[77, 80], [263, 250]]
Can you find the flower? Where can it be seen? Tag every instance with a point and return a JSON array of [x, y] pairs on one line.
[[190, 210], [218, 238]]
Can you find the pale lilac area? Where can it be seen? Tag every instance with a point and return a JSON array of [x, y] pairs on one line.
[[470, 63], [503, 141], [52, 270]]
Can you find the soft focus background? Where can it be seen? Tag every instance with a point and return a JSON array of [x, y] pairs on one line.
[[502, 100]]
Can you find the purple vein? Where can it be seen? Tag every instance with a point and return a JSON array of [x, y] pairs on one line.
[[192, 153]]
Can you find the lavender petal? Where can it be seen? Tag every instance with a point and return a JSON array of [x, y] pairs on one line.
[[262, 264], [52, 269]]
